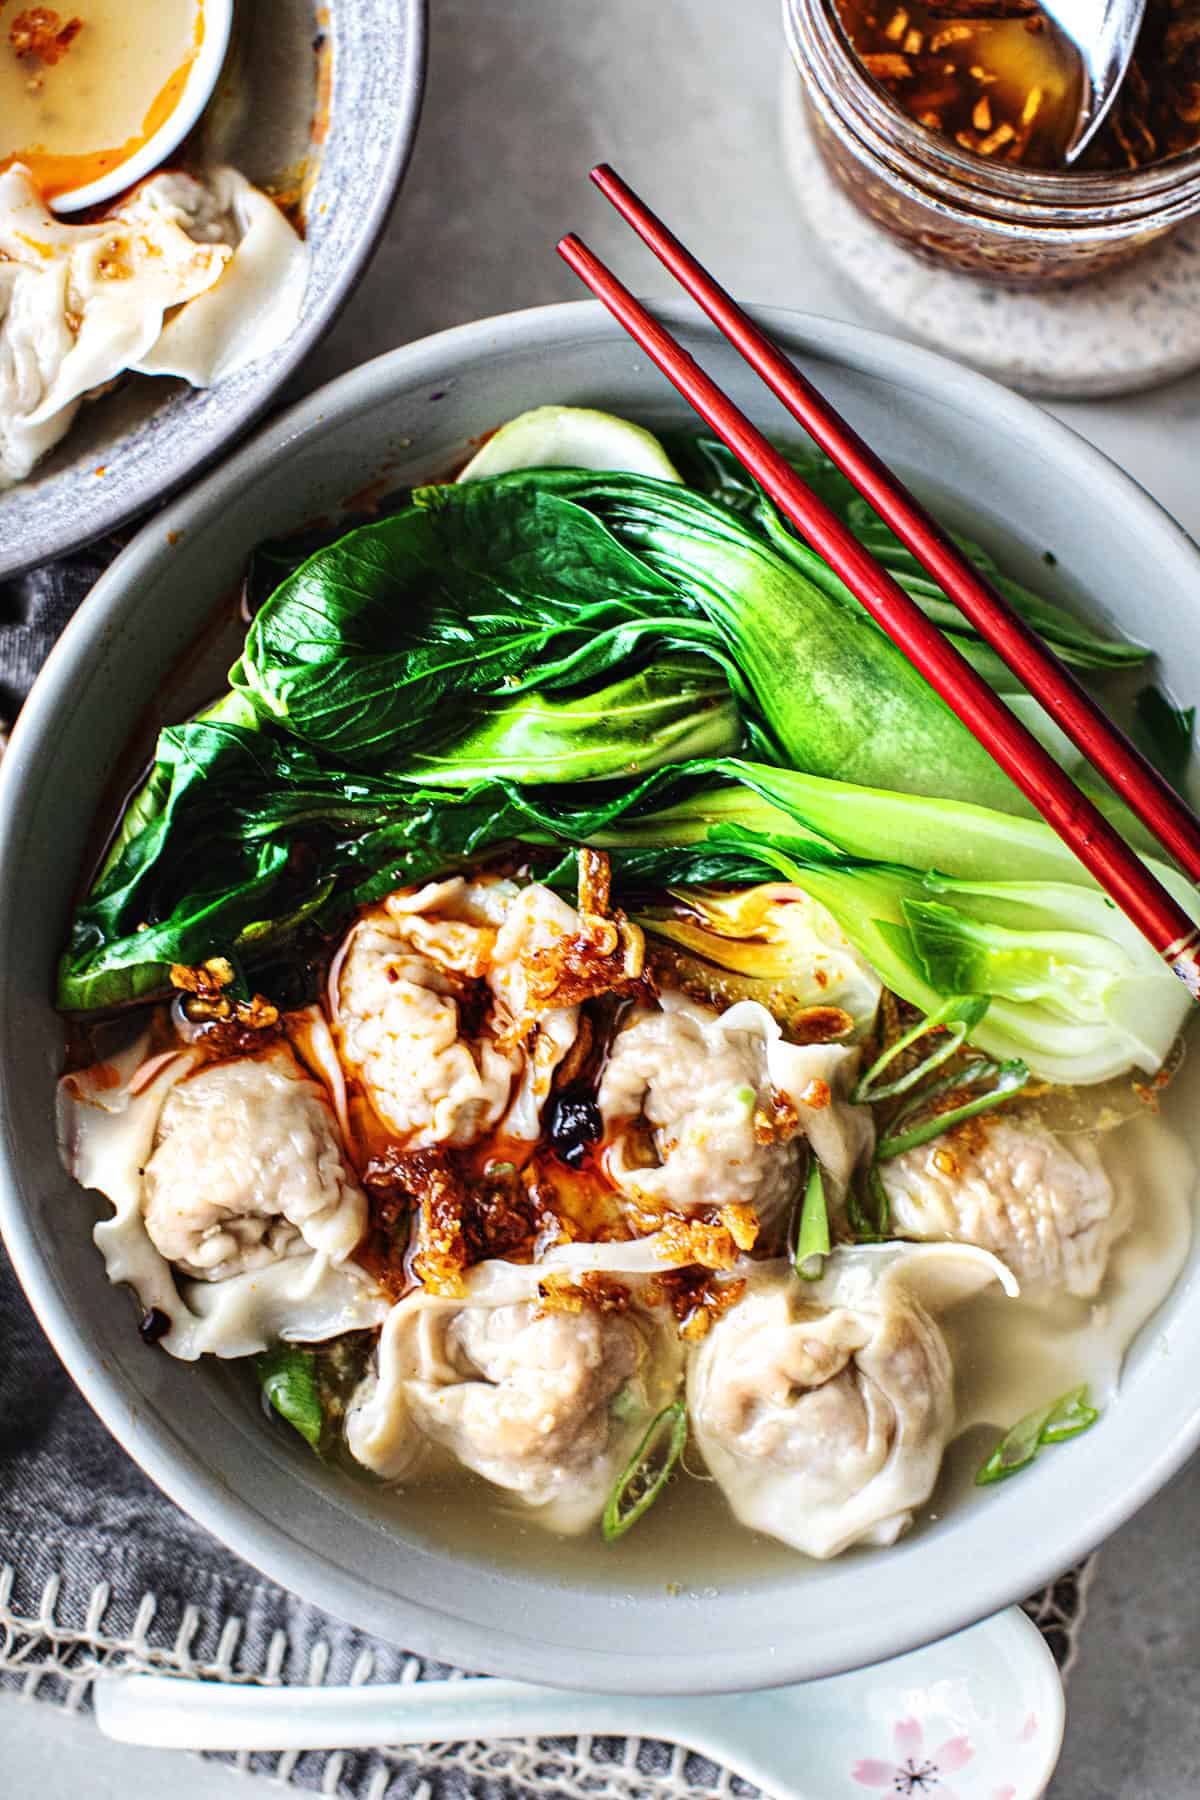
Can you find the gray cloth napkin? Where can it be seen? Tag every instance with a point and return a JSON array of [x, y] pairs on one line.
[[97, 1566]]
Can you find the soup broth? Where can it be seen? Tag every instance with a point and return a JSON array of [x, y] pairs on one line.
[[1010, 1357]]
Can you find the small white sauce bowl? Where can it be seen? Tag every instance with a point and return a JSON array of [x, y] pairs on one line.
[[197, 91]]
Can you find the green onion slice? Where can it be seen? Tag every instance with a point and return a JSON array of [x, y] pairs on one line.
[[1064, 1418], [1070, 1415], [1008, 1078], [812, 1238], [647, 1472], [863, 1228], [288, 1378], [957, 1016]]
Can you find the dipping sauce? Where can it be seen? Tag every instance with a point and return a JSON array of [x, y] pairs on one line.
[[83, 87], [1001, 79]]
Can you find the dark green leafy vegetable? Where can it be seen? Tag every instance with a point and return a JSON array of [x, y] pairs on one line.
[[247, 838], [368, 648], [841, 700], [1064, 1418], [677, 708], [812, 1238], [288, 1378], [255, 839], [647, 1472], [713, 470], [1164, 732]]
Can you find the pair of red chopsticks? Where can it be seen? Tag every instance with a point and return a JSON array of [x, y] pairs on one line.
[[1101, 849]]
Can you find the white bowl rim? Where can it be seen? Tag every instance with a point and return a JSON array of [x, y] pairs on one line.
[[197, 91], [263, 1539]]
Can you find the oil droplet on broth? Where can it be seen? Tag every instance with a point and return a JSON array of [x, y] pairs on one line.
[[116, 83]]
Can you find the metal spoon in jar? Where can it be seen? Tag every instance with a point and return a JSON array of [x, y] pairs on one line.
[[1104, 32]]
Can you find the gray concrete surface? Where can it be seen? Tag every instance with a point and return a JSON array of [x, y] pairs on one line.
[[524, 95]]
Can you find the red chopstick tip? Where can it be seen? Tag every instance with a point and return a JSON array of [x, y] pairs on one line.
[[603, 174], [1184, 958]]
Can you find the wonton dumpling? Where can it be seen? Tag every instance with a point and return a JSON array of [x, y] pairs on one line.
[[79, 304], [536, 923], [707, 1085], [700, 1081], [180, 278], [396, 989], [258, 299], [246, 1168], [1011, 1186], [289, 1285], [823, 1409], [545, 1404]]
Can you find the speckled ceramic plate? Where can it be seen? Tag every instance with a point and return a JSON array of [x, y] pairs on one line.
[[320, 96]]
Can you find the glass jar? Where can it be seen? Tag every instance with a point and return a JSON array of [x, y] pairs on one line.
[[1018, 227]]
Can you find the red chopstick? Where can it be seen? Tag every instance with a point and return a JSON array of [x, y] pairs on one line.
[[1101, 849], [1137, 781]]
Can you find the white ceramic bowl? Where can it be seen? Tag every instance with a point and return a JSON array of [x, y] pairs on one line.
[[197, 91], [978, 453]]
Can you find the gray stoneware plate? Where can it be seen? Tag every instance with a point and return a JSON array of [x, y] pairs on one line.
[[978, 453], [136, 445]]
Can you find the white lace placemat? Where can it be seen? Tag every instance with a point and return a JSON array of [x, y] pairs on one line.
[[52, 1650]]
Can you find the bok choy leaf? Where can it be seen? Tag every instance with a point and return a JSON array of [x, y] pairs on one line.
[[373, 642], [673, 710], [246, 839], [839, 698], [713, 470]]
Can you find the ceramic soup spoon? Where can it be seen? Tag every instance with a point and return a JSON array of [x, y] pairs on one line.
[[978, 1716]]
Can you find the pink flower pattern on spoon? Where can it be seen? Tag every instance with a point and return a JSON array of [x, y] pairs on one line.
[[915, 1772]]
